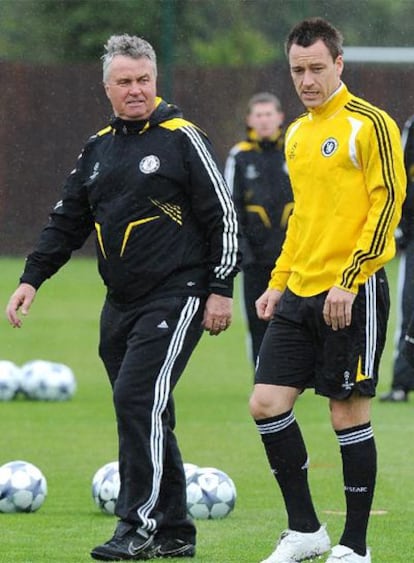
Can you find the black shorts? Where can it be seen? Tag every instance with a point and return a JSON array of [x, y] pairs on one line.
[[300, 350]]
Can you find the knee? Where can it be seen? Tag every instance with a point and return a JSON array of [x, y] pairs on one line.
[[351, 412], [254, 407], [271, 400], [260, 406]]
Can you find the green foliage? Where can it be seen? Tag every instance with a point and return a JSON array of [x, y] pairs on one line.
[[223, 35], [240, 47], [58, 30], [190, 32], [70, 441]]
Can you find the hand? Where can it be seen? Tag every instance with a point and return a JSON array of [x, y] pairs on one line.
[[22, 299], [267, 302], [217, 314], [337, 310]]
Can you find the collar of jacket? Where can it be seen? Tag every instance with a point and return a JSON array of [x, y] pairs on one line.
[[162, 112], [264, 144], [333, 104]]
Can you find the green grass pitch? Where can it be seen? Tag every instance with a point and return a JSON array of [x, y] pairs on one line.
[[70, 441]]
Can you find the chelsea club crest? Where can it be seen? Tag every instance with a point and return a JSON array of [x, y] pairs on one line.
[[149, 164], [329, 146]]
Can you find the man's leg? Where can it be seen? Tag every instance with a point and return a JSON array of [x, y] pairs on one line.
[[286, 451], [350, 377], [351, 422], [255, 280], [403, 373], [288, 460], [284, 367], [159, 344], [177, 533]]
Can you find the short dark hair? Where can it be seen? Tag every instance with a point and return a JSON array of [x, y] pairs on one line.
[[308, 31]]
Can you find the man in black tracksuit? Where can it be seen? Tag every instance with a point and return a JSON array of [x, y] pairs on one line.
[[403, 368], [149, 186], [256, 174]]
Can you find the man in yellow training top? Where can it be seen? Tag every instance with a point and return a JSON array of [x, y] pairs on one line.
[[327, 298]]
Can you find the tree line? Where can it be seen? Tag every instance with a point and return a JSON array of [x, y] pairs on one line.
[[209, 33]]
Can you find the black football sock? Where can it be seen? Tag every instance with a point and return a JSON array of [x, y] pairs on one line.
[[359, 463], [288, 460]]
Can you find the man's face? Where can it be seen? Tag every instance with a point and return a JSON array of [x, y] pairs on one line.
[[315, 74], [265, 119], [131, 87]]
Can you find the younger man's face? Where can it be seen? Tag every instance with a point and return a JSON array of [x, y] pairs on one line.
[[265, 119], [314, 73]]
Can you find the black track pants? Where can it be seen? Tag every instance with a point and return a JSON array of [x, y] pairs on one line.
[[145, 351], [255, 281], [403, 372]]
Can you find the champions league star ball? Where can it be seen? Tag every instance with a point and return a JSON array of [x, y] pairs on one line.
[[23, 487], [10, 375], [189, 470], [47, 381], [211, 494], [105, 487]]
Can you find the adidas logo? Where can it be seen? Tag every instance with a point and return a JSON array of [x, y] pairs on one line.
[[163, 324]]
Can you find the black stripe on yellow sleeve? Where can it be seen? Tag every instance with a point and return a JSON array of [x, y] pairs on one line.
[[386, 156]]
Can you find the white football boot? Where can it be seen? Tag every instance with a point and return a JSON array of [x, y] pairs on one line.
[[342, 554], [300, 546]]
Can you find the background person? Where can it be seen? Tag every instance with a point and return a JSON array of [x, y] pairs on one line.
[[330, 291], [148, 184], [256, 174], [403, 373]]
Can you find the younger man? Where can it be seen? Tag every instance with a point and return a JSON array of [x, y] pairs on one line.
[[257, 176], [328, 295]]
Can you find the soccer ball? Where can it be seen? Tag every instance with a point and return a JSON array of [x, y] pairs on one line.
[[105, 487], [47, 381], [189, 470], [23, 487], [211, 494], [9, 380]]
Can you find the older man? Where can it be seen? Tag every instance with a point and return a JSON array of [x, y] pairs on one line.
[[148, 184]]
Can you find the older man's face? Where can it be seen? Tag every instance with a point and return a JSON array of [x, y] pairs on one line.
[[131, 87]]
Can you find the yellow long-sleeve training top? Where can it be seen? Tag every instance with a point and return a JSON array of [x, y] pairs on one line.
[[346, 166]]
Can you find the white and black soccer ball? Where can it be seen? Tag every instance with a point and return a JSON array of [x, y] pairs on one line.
[[211, 494], [23, 487], [47, 381], [105, 487], [10, 375], [189, 470]]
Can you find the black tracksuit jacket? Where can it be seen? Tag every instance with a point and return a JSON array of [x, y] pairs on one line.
[[162, 213], [257, 177]]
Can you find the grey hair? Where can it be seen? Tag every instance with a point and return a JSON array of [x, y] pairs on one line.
[[127, 46]]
